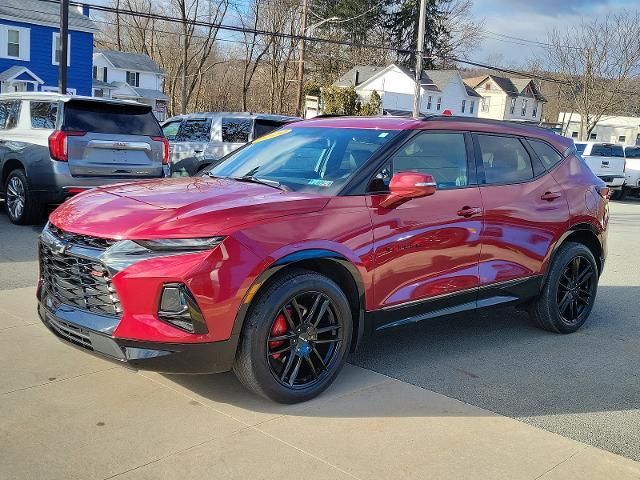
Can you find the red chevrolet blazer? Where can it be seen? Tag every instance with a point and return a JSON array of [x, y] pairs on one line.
[[278, 261]]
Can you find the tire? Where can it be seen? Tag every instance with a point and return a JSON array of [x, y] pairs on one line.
[[623, 193], [617, 194], [21, 206], [551, 310], [265, 372]]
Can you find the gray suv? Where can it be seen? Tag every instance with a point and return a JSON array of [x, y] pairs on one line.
[[199, 140], [54, 146]]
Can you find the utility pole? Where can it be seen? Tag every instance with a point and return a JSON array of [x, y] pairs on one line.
[[419, 55], [64, 47], [299, 107]]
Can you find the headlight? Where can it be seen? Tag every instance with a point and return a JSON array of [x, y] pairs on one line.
[[180, 244]]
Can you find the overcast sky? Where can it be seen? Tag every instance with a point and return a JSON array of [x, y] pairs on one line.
[[531, 20]]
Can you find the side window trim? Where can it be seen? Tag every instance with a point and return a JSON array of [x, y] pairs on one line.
[[482, 181], [567, 153]]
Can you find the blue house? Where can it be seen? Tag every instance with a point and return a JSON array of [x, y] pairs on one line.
[[30, 42]]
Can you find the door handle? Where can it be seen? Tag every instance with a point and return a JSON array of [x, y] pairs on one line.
[[469, 211], [550, 196], [198, 151]]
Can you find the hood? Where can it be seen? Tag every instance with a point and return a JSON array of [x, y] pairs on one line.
[[178, 208]]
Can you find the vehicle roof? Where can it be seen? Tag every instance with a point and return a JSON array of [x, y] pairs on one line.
[[261, 116], [51, 96], [439, 122]]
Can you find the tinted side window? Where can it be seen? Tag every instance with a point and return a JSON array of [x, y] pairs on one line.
[[195, 131], [442, 155], [262, 127], [44, 114], [170, 130], [546, 153], [236, 130], [580, 147], [633, 152], [9, 113], [505, 160], [607, 150], [103, 117]]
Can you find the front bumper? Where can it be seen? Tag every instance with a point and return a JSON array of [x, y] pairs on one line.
[[94, 333], [612, 181]]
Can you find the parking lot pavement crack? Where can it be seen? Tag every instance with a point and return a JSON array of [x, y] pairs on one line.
[[59, 380], [584, 447]]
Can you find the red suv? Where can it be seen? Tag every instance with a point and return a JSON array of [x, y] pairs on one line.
[[279, 260]]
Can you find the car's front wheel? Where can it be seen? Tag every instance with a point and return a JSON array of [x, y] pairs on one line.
[[569, 292], [295, 339]]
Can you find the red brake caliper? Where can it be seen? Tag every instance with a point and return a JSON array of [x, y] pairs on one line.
[[280, 327]]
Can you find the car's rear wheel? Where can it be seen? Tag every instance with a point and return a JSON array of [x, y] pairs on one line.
[[295, 339], [20, 205], [569, 293]]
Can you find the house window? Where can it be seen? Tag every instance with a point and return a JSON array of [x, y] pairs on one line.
[[486, 104], [535, 110], [56, 47], [472, 106], [98, 92], [439, 104], [622, 138], [574, 134], [464, 105], [429, 103], [593, 136], [133, 79], [13, 43], [512, 107], [524, 107]]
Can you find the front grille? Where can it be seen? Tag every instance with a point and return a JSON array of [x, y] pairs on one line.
[[70, 332], [78, 282], [82, 240]]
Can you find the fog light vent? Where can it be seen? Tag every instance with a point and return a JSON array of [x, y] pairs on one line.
[[179, 308]]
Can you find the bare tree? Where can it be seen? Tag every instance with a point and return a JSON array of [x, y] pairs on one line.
[[596, 61]]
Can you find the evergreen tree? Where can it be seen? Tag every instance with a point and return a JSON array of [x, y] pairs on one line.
[[403, 24]]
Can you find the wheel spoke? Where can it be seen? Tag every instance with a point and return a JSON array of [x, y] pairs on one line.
[[294, 374], [329, 340], [330, 328], [281, 338], [314, 307], [287, 316], [298, 310], [287, 367], [282, 350], [323, 310], [315, 350], [575, 268], [585, 276], [564, 303], [312, 366]]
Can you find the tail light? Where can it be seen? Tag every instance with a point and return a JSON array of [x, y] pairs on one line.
[[604, 192], [165, 148], [58, 148]]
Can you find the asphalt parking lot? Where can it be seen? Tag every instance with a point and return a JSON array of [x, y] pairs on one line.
[[584, 387]]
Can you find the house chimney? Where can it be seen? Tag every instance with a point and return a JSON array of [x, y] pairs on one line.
[[356, 78]]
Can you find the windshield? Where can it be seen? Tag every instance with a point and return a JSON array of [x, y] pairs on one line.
[[318, 160]]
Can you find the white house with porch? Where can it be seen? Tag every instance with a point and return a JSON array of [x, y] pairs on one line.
[[130, 76]]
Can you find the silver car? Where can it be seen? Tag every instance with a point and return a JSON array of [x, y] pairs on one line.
[[199, 140], [54, 146]]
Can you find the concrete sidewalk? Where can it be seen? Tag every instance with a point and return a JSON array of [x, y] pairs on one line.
[[66, 414]]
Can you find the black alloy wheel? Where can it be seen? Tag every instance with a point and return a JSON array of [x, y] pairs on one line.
[[295, 338], [305, 338], [569, 292], [575, 289]]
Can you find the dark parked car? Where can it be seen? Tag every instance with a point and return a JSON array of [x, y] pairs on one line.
[[54, 146], [276, 262]]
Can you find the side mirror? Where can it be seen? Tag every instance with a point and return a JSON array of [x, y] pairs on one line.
[[405, 186]]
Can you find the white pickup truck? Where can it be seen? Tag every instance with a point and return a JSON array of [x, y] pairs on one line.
[[632, 174], [607, 161]]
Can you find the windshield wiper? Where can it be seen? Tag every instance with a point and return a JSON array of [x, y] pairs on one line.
[[261, 181]]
